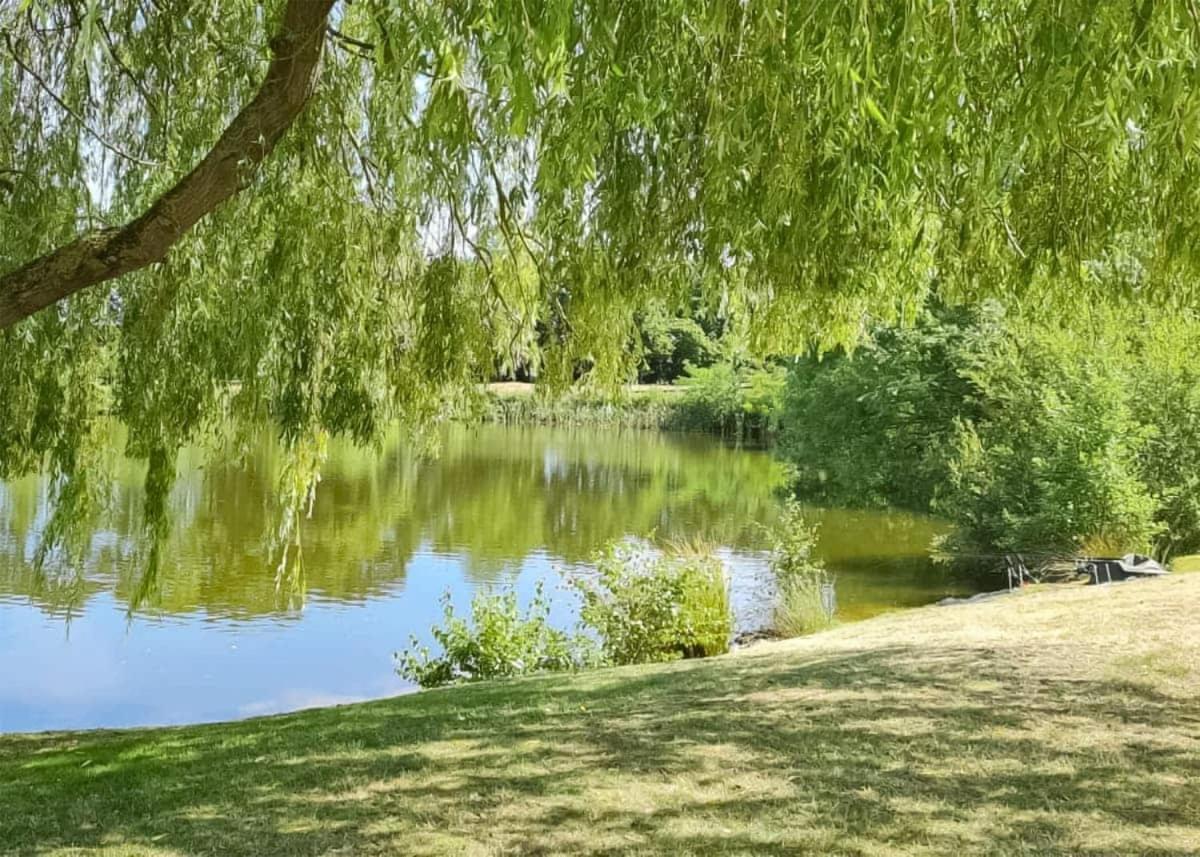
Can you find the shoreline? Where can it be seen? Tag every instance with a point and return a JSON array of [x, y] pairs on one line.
[[976, 730]]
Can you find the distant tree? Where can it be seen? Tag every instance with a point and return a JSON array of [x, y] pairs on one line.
[[672, 341]]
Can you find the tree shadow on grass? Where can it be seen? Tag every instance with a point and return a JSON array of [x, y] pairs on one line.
[[950, 750]]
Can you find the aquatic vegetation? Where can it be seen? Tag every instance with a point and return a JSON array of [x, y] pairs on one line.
[[648, 605], [642, 605], [801, 579], [499, 641], [518, 404]]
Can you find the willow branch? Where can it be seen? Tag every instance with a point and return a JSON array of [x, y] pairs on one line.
[[79, 120], [105, 254]]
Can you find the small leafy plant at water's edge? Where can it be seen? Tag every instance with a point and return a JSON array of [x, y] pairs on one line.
[[650, 606], [498, 642], [799, 576], [641, 606]]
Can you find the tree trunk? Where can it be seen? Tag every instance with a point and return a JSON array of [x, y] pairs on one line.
[[107, 253]]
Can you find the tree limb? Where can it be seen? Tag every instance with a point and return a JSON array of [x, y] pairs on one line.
[[364, 49], [104, 254]]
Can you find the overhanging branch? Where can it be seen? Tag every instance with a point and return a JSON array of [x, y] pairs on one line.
[[108, 253]]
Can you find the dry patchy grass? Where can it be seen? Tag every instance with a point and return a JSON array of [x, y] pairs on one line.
[[1051, 722]]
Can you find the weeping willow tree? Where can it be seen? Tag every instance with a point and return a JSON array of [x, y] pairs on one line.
[[323, 216]]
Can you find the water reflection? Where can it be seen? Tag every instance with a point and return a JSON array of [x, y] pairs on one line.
[[493, 496], [390, 531]]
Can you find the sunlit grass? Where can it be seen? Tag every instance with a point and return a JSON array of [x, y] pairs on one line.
[[1186, 564], [1056, 721], [799, 608]]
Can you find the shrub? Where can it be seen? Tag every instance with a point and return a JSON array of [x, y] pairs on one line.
[[792, 541], [711, 399], [741, 401], [1054, 466], [647, 606], [498, 642], [799, 576], [641, 606], [1029, 437], [873, 427], [1166, 398]]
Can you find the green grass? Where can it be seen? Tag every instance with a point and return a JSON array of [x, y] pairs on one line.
[[800, 610], [1057, 721], [1186, 564]]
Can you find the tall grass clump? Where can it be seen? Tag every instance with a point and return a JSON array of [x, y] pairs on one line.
[[799, 575], [705, 603]]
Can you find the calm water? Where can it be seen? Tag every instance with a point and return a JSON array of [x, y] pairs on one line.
[[390, 532]]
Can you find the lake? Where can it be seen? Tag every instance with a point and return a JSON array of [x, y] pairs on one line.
[[390, 531]]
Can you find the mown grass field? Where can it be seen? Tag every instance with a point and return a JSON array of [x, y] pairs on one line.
[[1061, 721]]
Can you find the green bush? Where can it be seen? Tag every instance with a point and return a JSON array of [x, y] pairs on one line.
[[647, 606], [1053, 468], [498, 642], [799, 576], [641, 606], [669, 343], [711, 399], [741, 401], [1030, 437], [873, 427], [792, 540], [1166, 400]]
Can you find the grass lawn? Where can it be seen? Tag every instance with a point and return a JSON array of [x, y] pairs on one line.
[[1186, 564], [1061, 721]]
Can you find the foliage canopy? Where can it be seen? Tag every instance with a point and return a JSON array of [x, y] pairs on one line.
[[1031, 437], [392, 197]]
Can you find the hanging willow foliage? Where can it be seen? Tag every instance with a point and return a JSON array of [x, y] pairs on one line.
[[327, 215]]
